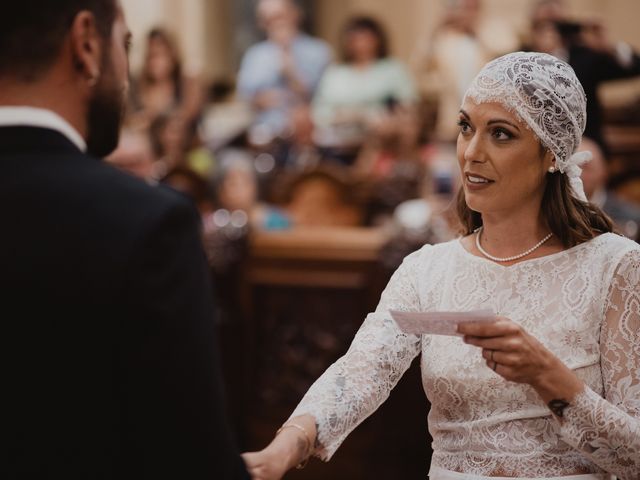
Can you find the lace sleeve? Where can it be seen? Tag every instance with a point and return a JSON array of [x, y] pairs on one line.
[[358, 383], [607, 430]]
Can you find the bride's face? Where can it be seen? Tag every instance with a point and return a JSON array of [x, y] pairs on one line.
[[502, 163]]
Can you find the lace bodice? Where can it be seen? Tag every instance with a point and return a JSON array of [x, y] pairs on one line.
[[583, 304]]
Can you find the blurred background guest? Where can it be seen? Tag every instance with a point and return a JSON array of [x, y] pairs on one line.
[[173, 146], [595, 176], [281, 73], [586, 45], [163, 85], [392, 164], [627, 185], [300, 152], [322, 198], [238, 192], [188, 183], [395, 139], [134, 155], [456, 55], [169, 141], [362, 90], [236, 182]]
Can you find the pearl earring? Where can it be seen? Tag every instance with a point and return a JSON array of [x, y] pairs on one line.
[[552, 169], [93, 79]]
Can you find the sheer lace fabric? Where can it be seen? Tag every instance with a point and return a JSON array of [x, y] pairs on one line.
[[543, 91], [583, 304]]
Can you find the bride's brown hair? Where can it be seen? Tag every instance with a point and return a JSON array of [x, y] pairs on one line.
[[571, 220]]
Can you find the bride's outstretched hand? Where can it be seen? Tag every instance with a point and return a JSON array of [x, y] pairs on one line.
[[291, 446], [265, 465]]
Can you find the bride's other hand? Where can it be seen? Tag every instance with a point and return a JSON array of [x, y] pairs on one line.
[[519, 357]]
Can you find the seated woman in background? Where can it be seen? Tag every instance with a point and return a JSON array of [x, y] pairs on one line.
[[394, 144], [163, 86], [354, 95], [238, 193], [322, 198], [174, 146], [548, 387]]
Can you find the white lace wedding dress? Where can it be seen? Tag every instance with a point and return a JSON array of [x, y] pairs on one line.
[[583, 304]]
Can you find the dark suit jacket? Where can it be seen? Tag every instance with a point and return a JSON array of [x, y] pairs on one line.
[[110, 366]]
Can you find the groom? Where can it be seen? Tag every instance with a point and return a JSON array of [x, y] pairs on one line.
[[110, 368]]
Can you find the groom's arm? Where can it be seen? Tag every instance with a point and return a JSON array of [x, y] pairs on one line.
[[174, 418]]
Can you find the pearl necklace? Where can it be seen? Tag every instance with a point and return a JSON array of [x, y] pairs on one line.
[[508, 259]]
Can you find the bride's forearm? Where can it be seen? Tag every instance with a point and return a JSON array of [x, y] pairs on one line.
[[295, 441], [558, 386]]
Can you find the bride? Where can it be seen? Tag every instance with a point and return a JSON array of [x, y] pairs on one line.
[[551, 388]]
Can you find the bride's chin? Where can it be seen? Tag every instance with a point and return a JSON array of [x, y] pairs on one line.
[[473, 204]]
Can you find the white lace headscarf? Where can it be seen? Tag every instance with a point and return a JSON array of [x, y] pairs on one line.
[[545, 93]]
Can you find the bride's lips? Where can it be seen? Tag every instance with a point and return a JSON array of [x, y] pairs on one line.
[[473, 181]]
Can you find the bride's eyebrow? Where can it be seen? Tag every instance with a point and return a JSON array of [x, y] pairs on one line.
[[492, 121], [501, 120]]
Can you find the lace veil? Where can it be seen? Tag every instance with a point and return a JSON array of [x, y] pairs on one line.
[[546, 94]]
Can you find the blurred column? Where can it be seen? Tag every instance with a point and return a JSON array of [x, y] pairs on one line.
[[190, 23], [219, 29], [200, 26]]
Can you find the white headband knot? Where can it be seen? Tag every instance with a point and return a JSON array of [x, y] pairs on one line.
[[545, 93], [573, 170]]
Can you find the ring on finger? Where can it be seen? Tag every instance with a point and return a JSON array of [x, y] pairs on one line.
[[491, 357], [495, 365]]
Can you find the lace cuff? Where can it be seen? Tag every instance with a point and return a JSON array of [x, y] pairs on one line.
[[325, 445], [604, 433], [330, 431]]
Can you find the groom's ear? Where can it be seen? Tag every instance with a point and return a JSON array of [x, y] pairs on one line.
[[86, 46]]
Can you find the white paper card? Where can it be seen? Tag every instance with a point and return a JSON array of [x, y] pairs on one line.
[[439, 323]]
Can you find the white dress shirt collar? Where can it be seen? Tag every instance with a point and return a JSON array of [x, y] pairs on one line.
[[39, 117]]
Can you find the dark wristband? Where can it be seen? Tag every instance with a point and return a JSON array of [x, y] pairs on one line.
[[557, 406]]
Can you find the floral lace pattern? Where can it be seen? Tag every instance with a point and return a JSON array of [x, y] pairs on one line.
[[543, 91], [583, 304]]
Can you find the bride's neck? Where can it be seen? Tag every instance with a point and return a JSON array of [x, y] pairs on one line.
[[508, 236]]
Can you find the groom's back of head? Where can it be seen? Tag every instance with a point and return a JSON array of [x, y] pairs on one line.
[[32, 32]]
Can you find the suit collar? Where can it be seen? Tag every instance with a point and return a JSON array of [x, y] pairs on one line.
[[18, 139], [24, 116]]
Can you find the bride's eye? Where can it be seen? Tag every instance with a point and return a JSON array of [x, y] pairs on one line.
[[464, 126], [502, 134]]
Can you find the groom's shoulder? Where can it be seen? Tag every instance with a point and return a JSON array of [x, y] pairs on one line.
[[135, 191], [126, 202]]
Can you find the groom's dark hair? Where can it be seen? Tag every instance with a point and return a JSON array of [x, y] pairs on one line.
[[32, 32]]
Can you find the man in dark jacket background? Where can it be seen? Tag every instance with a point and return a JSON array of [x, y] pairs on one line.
[[110, 368], [587, 47]]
